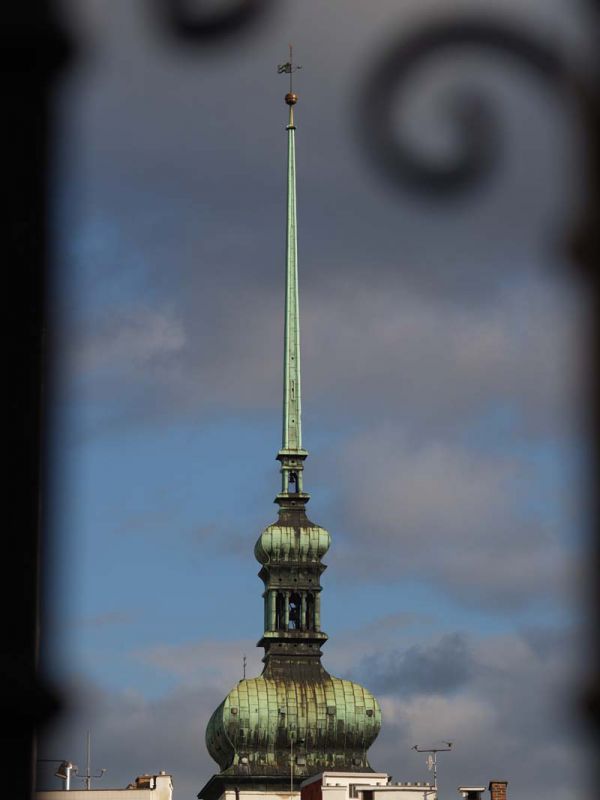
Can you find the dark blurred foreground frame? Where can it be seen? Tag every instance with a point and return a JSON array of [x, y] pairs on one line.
[[35, 51]]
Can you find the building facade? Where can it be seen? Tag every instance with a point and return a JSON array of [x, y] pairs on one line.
[[144, 787], [358, 786]]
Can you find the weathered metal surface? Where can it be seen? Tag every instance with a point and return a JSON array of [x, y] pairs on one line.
[[291, 552], [291, 455], [263, 723], [292, 401], [284, 542], [295, 717]]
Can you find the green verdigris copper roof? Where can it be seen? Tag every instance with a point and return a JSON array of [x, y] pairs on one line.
[[332, 723], [292, 543], [296, 719]]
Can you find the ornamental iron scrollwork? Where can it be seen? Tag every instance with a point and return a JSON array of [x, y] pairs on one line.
[[386, 85]]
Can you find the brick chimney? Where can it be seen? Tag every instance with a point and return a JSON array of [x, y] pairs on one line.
[[498, 790]]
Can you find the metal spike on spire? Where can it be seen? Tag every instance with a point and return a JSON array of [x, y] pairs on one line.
[[291, 454]]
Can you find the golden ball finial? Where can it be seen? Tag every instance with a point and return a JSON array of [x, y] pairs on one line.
[[291, 98]]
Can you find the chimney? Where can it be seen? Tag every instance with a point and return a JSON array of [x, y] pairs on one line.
[[145, 782], [498, 790]]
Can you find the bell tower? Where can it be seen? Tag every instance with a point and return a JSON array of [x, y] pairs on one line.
[[290, 551], [295, 719]]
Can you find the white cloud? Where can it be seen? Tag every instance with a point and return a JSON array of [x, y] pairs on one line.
[[511, 718], [206, 663], [133, 735], [456, 514], [368, 350], [134, 338]]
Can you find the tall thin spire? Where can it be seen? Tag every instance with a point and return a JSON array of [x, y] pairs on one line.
[[294, 720], [292, 454], [292, 400]]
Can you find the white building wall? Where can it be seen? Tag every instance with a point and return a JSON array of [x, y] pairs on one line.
[[349, 785], [243, 794], [162, 790]]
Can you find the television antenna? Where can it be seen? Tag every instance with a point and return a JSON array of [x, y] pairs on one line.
[[431, 760], [87, 777]]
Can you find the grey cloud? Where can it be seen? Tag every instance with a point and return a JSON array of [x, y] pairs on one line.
[[194, 123], [133, 735], [422, 489], [367, 350], [203, 663], [510, 717], [425, 317], [131, 338], [428, 312], [438, 668], [439, 508], [434, 500]]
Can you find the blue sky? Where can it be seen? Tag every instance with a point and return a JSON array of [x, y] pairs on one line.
[[442, 356]]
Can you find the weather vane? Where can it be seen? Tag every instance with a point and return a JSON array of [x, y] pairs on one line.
[[289, 67]]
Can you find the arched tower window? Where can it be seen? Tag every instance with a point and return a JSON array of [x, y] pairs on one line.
[[293, 482], [295, 604], [280, 612], [310, 611]]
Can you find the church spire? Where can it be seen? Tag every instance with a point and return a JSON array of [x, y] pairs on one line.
[[295, 719], [292, 401], [291, 455]]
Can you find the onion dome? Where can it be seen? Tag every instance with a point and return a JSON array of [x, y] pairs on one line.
[[287, 541], [264, 725]]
